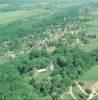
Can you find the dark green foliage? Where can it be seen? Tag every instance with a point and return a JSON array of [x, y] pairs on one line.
[[12, 86], [88, 91]]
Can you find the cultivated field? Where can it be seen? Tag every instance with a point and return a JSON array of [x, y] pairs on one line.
[[11, 16]]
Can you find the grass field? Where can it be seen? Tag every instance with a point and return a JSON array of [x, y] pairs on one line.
[[42, 76], [77, 92], [91, 74], [11, 16], [92, 29]]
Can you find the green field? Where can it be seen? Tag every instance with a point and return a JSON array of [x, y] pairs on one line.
[[92, 29], [11, 16], [42, 76], [91, 74]]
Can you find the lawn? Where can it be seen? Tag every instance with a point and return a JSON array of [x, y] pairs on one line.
[[91, 74], [42, 76], [11, 16]]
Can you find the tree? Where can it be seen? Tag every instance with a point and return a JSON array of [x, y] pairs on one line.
[[56, 80], [45, 87]]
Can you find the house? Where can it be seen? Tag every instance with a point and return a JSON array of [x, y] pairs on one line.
[[10, 55]]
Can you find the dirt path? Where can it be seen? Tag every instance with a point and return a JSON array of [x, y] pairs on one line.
[[95, 86], [71, 93], [90, 96], [93, 93], [81, 89]]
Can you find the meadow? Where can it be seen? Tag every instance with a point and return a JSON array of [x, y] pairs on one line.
[[11, 16], [93, 30], [91, 74]]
